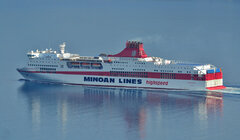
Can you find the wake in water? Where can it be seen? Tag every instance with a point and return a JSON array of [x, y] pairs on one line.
[[231, 90]]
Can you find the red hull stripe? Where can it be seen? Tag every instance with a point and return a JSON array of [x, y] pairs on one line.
[[212, 76], [178, 76], [216, 88]]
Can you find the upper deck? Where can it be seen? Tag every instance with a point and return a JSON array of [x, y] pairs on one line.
[[132, 58]]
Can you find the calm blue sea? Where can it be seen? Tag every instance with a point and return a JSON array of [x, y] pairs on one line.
[[202, 31], [37, 111]]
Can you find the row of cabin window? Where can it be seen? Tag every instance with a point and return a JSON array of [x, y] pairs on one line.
[[139, 63], [42, 65], [82, 59], [168, 76], [174, 67], [128, 74], [120, 62], [166, 70], [85, 67], [138, 69], [47, 69], [128, 65], [169, 67], [162, 67], [182, 72], [170, 71], [46, 58], [43, 62], [173, 76], [117, 68]]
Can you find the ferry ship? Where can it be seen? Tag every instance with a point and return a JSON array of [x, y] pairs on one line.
[[132, 67]]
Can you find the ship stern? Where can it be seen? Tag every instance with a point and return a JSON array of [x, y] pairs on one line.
[[214, 79]]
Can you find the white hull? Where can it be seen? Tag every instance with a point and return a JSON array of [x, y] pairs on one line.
[[116, 81]]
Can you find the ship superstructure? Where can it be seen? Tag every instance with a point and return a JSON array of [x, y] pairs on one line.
[[129, 68]]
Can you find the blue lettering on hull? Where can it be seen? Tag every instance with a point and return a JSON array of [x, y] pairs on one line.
[[99, 79], [112, 80]]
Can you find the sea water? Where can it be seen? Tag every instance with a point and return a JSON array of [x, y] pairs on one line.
[[31, 110]]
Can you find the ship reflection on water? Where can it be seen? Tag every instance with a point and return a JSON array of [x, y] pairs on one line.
[[134, 109]]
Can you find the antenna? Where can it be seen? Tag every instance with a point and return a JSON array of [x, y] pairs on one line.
[[62, 47]]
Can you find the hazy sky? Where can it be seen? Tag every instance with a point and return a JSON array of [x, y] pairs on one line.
[[204, 31]]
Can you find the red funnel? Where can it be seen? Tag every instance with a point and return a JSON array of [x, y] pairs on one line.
[[133, 49]]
